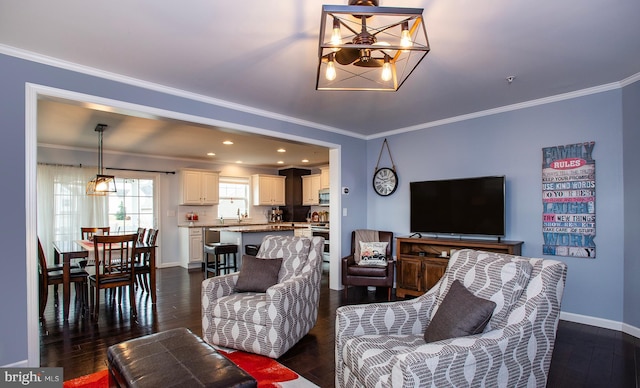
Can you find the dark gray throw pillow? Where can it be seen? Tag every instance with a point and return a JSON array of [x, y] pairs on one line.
[[256, 275], [460, 314]]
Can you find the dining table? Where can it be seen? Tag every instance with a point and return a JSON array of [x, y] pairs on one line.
[[65, 251]]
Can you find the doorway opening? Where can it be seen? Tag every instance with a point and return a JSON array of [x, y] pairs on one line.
[[36, 92]]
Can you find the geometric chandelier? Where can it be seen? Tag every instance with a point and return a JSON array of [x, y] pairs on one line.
[[101, 184], [366, 47]]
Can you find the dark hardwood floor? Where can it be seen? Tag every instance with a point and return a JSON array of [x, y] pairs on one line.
[[584, 356]]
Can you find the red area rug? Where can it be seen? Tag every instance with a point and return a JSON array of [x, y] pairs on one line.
[[268, 372]]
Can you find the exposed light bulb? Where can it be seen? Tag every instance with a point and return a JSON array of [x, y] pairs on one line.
[[336, 38], [386, 69], [405, 37], [330, 73], [102, 186]]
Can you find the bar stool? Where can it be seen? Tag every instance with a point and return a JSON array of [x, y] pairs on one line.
[[224, 258], [251, 249]]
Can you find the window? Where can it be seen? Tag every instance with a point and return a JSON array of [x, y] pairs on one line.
[[70, 207], [64, 207], [234, 197], [132, 205]]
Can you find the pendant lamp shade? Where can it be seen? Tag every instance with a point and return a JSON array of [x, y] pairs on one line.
[[102, 184]]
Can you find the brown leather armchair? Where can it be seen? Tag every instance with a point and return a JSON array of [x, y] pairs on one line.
[[361, 275]]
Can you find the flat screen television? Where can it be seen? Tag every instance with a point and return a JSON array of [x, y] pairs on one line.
[[468, 206]]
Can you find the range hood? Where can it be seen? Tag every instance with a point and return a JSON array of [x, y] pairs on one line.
[[294, 211]]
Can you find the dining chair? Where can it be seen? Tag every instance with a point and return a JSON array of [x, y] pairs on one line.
[[51, 267], [88, 232], [54, 266], [141, 232], [52, 276], [143, 266], [114, 256]]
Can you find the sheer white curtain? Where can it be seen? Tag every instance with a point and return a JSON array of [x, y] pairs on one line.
[[63, 206]]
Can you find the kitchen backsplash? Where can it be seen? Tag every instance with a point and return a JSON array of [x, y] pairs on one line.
[[208, 215]]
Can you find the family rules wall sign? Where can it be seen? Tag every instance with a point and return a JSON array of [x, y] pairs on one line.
[[569, 200]]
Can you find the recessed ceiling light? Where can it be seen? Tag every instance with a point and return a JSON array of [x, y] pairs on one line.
[[305, 160], [211, 154], [280, 162], [239, 161], [227, 142], [281, 150]]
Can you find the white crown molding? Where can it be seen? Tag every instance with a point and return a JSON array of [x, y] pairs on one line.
[[46, 60], [50, 61], [509, 108], [629, 80]]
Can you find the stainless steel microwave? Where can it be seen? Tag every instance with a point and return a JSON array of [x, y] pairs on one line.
[[323, 197]]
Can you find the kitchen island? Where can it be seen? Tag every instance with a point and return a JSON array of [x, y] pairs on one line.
[[192, 237], [252, 234]]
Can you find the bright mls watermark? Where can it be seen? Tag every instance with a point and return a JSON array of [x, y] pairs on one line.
[[31, 377]]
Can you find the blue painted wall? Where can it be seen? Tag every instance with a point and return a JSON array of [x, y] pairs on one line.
[[14, 74], [631, 166], [511, 144], [508, 143]]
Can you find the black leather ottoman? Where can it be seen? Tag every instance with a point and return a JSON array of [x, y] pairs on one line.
[[173, 358]]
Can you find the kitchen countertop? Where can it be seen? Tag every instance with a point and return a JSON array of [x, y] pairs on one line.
[[216, 224], [219, 226], [260, 228]]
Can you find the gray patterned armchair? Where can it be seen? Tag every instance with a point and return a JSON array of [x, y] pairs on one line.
[[267, 323], [382, 344]]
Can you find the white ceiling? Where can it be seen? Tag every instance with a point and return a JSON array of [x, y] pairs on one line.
[[70, 124], [263, 54]]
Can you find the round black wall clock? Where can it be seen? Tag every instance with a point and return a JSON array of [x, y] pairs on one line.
[[385, 181]]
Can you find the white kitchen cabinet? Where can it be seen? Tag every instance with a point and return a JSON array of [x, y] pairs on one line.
[[324, 177], [303, 231], [190, 242], [268, 190], [310, 188], [198, 187]]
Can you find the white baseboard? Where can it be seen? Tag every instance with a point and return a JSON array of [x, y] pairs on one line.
[[169, 264], [631, 330], [18, 364], [601, 322]]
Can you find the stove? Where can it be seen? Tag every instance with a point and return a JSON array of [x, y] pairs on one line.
[[322, 230], [320, 226]]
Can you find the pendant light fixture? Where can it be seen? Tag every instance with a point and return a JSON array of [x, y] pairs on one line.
[[367, 47], [101, 184]]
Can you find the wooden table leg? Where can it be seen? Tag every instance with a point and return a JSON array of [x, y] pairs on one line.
[[66, 285], [152, 274]]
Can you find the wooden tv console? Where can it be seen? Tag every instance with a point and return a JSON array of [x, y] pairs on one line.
[[420, 263]]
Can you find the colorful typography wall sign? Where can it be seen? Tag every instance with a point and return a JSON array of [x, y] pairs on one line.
[[569, 200]]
